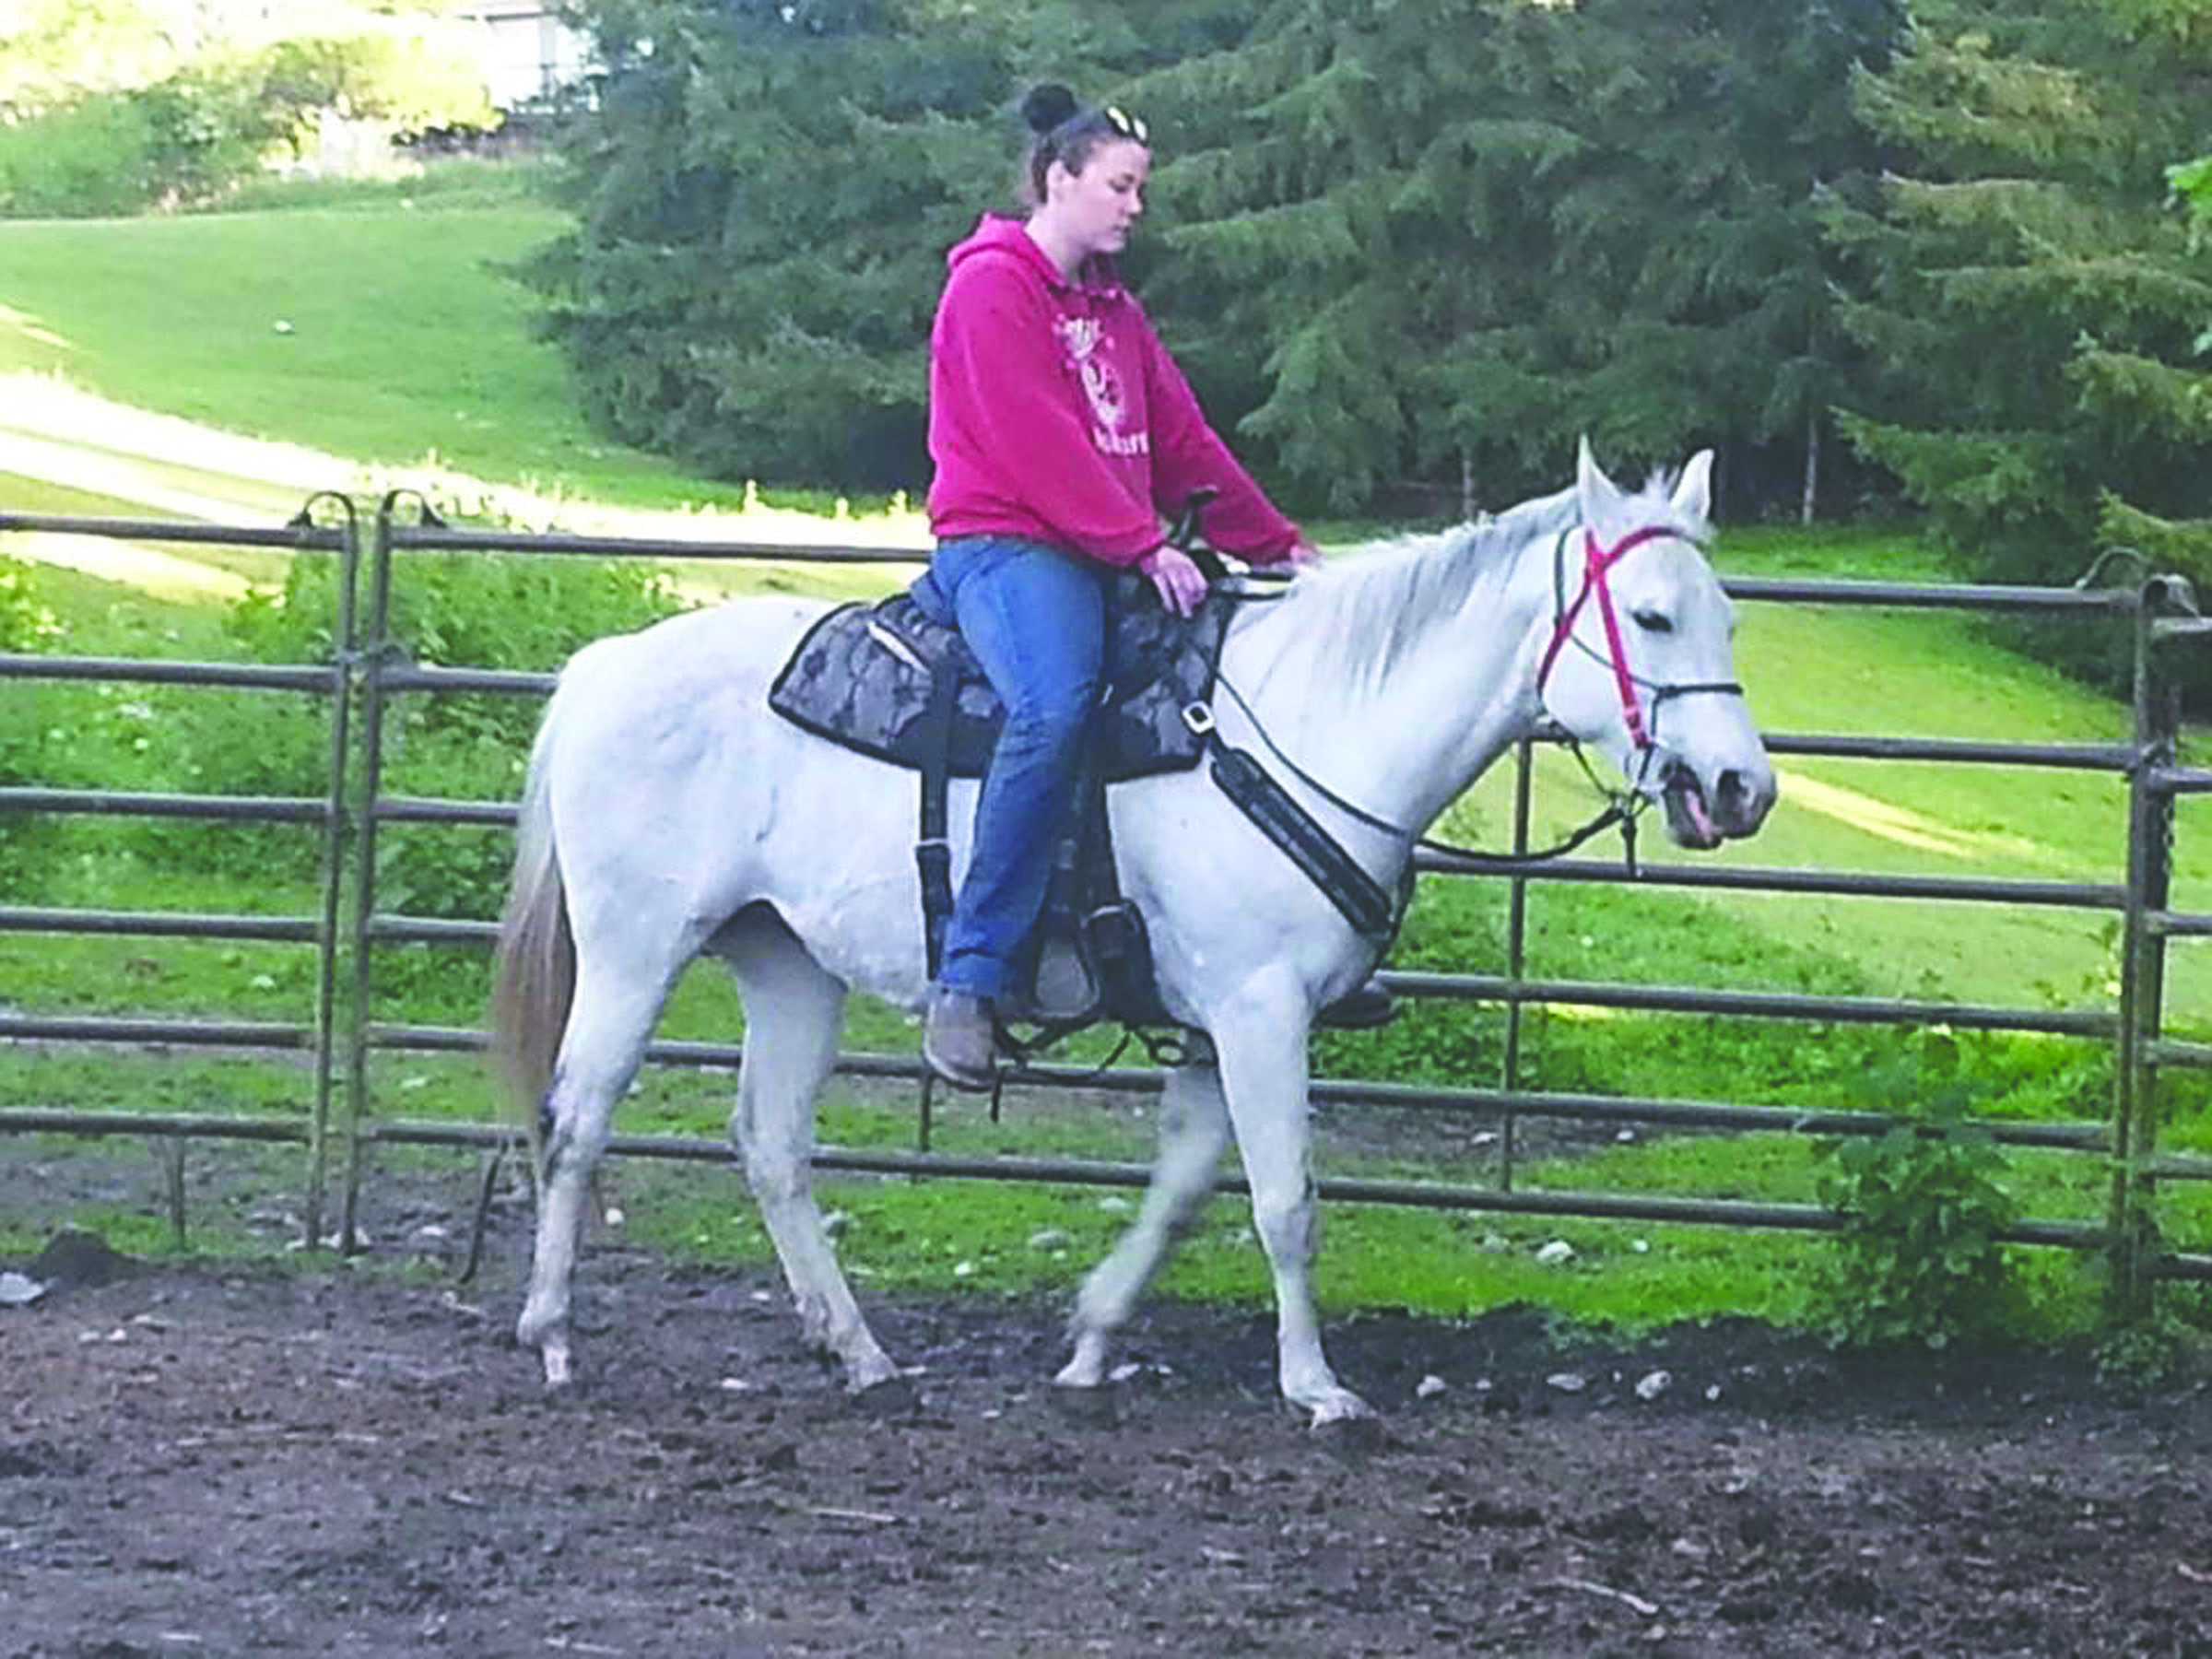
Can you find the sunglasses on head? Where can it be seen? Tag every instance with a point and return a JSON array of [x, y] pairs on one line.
[[1126, 125]]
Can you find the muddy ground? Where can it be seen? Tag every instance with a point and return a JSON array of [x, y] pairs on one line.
[[354, 1461]]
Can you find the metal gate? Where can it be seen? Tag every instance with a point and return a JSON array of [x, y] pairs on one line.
[[339, 1126]]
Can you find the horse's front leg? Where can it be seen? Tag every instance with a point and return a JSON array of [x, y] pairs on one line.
[[1263, 1057], [1193, 1128]]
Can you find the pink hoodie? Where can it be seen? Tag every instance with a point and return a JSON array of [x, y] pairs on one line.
[[1056, 415]]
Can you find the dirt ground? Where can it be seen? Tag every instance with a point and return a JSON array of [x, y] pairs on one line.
[[356, 1461]]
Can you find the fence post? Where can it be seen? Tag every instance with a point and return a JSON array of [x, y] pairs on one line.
[[1516, 954], [2156, 729], [375, 651], [336, 826]]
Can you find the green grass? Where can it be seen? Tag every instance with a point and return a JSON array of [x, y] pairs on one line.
[[406, 336]]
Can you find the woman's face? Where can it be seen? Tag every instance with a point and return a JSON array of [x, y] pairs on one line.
[[1093, 210]]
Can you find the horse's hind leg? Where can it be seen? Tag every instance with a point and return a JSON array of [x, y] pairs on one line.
[[1193, 1129], [793, 1014], [609, 1021]]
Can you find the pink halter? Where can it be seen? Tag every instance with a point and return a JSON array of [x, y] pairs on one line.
[[1596, 562]]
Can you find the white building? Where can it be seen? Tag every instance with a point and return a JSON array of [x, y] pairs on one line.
[[529, 54]]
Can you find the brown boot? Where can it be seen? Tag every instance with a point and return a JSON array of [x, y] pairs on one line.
[[958, 1042]]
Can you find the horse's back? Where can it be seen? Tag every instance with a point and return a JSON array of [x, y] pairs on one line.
[[678, 796], [652, 736], [712, 652]]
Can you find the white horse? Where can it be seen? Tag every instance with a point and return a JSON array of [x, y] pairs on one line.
[[668, 812]]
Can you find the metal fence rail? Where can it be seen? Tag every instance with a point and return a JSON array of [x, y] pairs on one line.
[[369, 669]]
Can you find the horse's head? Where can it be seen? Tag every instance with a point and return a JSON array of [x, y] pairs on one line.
[[1639, 662]]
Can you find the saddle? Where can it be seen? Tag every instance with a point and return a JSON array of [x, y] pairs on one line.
[[892, 681], [866, 677]]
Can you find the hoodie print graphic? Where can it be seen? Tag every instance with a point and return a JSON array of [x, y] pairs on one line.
[[1082, 338]]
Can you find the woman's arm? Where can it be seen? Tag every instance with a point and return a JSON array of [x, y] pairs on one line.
[[1188, 454]]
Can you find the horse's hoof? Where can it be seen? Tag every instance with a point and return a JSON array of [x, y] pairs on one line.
[[559, 1372], [894, 1396], [1096, 1407], [1351, 1436]]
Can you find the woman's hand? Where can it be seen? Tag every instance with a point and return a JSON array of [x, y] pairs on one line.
[[1303, 555], [1180, 583]]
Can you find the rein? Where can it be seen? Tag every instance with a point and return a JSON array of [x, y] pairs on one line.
[[1623, 806]]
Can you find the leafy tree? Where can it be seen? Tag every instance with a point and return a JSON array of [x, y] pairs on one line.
[[407, 73], [2035, 305], [116, 105], [55, 52]]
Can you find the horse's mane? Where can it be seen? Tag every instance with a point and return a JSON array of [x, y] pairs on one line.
[[1358, 616]]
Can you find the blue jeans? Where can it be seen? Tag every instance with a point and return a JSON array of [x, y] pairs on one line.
[[1035, 618]]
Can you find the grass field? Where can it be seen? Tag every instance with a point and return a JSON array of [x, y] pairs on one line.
[[405, 337], [401, 338]]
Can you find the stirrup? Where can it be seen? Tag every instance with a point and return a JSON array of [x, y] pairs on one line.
[[1367, 1009]]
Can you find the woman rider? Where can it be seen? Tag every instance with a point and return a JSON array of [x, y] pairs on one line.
[[1062, 433]]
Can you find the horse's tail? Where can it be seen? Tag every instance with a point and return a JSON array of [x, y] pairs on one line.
[[534, 973]]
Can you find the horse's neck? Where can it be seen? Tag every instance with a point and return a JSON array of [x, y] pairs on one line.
[[1397, 685]]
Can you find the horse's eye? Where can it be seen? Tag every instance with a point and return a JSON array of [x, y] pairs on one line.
[[1652, 621]]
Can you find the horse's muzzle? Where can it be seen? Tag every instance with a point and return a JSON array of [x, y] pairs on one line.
[[1702, 819]]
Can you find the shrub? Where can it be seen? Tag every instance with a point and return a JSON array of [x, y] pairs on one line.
[[1918, 1260], [473, 611], [91, 159], [232, 743], [183, 139], [24, 621], [469, 610], [460, 610]]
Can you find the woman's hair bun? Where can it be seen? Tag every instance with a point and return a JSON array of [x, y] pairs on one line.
[[1048, 107]]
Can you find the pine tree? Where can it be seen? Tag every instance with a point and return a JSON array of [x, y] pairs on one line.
[[1418, 239], [2030, 292], [1391, 240], [765, 197]]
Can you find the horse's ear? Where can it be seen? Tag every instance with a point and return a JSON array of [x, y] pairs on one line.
[[1693, 490], [1593, 490]]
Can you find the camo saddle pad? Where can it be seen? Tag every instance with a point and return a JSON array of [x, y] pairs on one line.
[[863, 677]]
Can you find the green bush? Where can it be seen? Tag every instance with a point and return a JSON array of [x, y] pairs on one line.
[[231, 742], [209, 130], [464, 610], [181, 140], [1918, 1261], [24, 621], [92, 159], [467, 610]]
